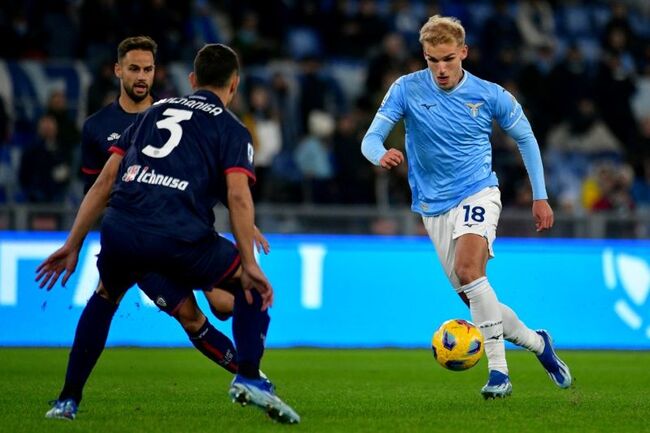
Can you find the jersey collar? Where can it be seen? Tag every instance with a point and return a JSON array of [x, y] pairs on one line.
[[208, 96], [450, 91], [120, 108]]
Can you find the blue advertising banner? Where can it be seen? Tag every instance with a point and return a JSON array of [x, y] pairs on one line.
[[358, 291]]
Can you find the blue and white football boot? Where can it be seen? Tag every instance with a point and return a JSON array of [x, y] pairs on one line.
[[556, 369], [261, 393], [498, 386], [63, 409]]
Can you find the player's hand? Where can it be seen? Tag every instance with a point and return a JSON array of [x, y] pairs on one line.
[[64, 260], [253, 278], [543, 215], [260, 241], [392, 158]]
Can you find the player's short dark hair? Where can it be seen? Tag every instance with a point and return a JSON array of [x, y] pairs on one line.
[[214, 64], [144, 43]]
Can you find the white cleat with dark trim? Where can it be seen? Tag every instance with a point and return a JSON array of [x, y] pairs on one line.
[[261, 393], [63, 409]]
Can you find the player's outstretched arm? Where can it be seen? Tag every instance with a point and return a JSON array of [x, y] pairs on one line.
[[95, 201], [242, 216], [543, 215], [64, 260], [522, 133], [372, 145]]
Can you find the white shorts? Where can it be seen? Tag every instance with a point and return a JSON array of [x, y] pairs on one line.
[[477, 214]]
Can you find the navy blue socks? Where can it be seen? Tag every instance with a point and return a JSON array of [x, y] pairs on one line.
[[249, 326], [216, 346], [89, 342]]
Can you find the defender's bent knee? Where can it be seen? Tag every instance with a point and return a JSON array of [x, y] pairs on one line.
[[189, 315], [221, 315], [191, 323], [221, 301], [101, 291]]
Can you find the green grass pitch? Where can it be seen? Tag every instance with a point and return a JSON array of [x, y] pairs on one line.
[[176, 390]]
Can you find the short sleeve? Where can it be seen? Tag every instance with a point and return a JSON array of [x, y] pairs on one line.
[[125, 141], [92, 156], [238, 153], [508, 110], [392, 107]]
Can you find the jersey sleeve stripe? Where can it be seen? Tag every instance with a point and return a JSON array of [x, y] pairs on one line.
[[118, 150], [385, 118], [246, 171], [86, 170]]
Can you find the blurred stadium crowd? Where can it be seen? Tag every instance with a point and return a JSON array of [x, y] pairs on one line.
[[316, 71]]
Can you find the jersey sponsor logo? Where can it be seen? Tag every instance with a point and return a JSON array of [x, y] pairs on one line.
[[473, 107], [114, 136], [251, 153], [131, 172], [143, 175], [427, 106]]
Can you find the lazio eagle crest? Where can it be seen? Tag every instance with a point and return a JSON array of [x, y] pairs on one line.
[[473, 108]]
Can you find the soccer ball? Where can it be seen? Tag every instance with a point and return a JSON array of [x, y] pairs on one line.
[[457, 345]]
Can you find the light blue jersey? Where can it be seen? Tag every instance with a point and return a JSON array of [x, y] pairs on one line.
[[448, 137]]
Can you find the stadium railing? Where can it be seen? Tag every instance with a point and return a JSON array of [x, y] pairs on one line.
[[346, 219]]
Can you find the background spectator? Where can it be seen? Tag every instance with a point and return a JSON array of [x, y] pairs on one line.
[[263, 122], [573, 146], [45, 168], [338, 57], [314, 157], [536, 24]]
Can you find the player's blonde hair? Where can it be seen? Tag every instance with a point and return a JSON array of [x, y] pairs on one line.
[[442, 30]]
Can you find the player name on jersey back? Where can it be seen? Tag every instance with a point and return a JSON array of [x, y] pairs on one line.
[[195, 102]]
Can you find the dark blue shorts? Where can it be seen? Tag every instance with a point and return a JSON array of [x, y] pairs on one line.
[[166, 269]]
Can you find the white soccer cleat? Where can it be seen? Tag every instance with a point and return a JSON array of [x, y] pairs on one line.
[[261, 393], [63, 409]]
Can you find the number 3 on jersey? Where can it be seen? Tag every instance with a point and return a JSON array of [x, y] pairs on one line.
[[172, 123]]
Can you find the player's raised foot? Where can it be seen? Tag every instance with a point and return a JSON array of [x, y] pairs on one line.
[[63, 409], [498, 386], [556, 369], [261, 393]]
